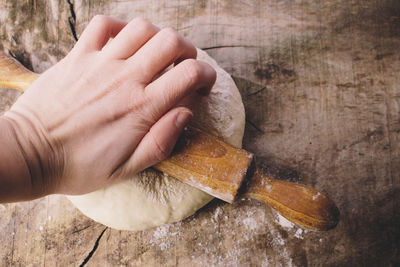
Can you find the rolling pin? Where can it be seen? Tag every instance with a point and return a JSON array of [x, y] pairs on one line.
[[219, 169]]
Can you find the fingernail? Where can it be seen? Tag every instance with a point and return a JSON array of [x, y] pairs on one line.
[[183, 118]]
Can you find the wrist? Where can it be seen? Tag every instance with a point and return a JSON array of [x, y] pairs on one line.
[[14, 172], [35, 166]]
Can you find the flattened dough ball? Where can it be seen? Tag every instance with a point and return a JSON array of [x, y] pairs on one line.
[[150, 198]]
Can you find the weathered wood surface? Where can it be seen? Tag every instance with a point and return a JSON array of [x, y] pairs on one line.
[[320, 82]]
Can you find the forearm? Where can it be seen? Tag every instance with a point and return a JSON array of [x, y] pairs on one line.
[[15, 179]]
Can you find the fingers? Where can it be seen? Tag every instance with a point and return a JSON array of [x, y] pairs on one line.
[[130, 39], [165, 48], [98, 32], [158, 143], [184, 79]]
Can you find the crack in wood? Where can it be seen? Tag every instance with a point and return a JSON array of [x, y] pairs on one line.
[[229, 46], [254, 126], [72, 20], [34, 5], [258, 91], [13, 237], [372, 134], [96, 244], [79, 230]]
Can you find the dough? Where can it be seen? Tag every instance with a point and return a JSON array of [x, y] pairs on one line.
[[151, 198]]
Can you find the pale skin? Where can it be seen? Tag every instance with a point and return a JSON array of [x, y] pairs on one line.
[[101, 114]]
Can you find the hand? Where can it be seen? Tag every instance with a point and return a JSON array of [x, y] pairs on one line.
[[104, 113]]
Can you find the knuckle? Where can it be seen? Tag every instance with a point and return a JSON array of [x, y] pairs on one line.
[[144, 109], [142, 24], [213, 73], [141, 21], [192, 70], [172, 38], [162, 149], [99, 20]]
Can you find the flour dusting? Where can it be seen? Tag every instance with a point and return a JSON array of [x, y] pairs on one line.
[[314, 197], [218, 211], [278, 243], [162, 237], [284, 222], [250, 223], [299, 233]]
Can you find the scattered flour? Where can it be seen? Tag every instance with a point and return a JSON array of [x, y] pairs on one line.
[[162, 237], [278, 244], [284, 222], [314, 197], [299, 233], [218, 211], [250, 223], [290, 226]]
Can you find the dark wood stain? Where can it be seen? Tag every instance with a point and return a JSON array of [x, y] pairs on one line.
[[319, 82]]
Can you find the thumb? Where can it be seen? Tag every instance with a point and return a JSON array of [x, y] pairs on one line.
[[158, 143]]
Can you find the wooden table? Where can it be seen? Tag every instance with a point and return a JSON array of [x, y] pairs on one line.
[[320, 82]]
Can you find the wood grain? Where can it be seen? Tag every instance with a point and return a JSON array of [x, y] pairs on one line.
[[319, 80], [14, 75], [298, 203], [207, 163]]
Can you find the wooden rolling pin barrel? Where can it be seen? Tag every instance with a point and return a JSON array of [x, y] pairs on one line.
[[207, 163]]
